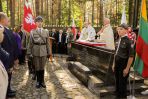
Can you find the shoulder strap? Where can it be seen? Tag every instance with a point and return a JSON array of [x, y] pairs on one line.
[[41, 36]]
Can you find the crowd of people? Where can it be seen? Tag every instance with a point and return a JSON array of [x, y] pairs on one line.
[[16, 44]]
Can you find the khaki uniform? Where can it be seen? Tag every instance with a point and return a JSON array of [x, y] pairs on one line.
[[39, 47]]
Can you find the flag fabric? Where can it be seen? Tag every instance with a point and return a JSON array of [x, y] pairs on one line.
[[141, 62], [74, 28], [123, 19], [28, 20]]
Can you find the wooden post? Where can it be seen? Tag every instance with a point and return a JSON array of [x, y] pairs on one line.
[[50, 43]]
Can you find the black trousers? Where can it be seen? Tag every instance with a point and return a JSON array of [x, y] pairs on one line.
[[60, 48], [31, 66], [121, 81], [9, 82], [65, 49], [22, 56]]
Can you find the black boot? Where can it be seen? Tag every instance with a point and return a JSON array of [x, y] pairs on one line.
[[42, 83], [38, 79]]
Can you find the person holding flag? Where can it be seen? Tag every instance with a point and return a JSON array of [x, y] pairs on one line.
[[28, 25]]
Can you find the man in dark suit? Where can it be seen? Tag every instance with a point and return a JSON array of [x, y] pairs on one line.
[[61, 40], [53, 34], [9, 44]]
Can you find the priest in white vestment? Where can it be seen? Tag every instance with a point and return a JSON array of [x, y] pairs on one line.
[[88, 32], [106, 34]]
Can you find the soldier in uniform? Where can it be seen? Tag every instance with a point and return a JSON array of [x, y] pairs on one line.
[[39, 48], [123, 60]]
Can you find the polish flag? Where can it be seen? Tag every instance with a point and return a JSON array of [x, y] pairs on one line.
[[28, 20]]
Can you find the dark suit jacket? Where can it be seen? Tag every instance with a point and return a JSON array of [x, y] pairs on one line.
[[9, 44], [62, 39], [4, 57]]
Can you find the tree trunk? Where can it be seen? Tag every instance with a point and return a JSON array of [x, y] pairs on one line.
[[37, 7], [8, 7], [12, 12], [136, 12], [51, 15], [130, 12], [41, 7], [101, 12], [93, 12], [97, 13], [69, 14], [1, 8], [59, 8]]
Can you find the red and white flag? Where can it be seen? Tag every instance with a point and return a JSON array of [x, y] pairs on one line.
[[74, 28], [28, 20]]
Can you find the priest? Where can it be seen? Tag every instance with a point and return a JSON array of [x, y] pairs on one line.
[[88, 32], [106, 34]]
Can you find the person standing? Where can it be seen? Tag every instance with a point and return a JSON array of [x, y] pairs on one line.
[[123, 60], [61, 40], [88, 32], [39, 49], [9, 44], [107, 35], [19, 44], [68, 40], [53, 34], [23, 36], [3, 67]]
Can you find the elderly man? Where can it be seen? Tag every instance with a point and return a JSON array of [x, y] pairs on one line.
[[9, 44], [88, 32], [106, 34], [3, 72]]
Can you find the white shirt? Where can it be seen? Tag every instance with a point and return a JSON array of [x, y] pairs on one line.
[[108, 36], [60, 38]]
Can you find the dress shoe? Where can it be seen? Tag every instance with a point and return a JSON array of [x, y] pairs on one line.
[[43, 85], [11, 95], [11, 91], [38, 85]]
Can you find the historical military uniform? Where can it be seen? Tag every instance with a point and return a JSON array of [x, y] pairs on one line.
[[39, 48], [123, 52]]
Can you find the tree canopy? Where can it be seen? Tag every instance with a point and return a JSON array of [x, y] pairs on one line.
[[61, 12]]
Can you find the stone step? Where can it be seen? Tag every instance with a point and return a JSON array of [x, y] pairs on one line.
[[80, 71], [101, 73], [94, 82], [110, 90]]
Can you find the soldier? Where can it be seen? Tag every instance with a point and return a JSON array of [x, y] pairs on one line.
[[123, 60], [39, 48]]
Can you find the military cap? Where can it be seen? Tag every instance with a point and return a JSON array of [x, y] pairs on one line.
[[38, 18]]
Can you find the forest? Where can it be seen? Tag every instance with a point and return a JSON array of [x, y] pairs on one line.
[[61, 12]]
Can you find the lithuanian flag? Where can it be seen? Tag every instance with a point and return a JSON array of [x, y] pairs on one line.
[[141, 62]]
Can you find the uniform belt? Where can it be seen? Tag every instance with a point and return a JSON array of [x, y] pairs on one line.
[[39, 43]]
